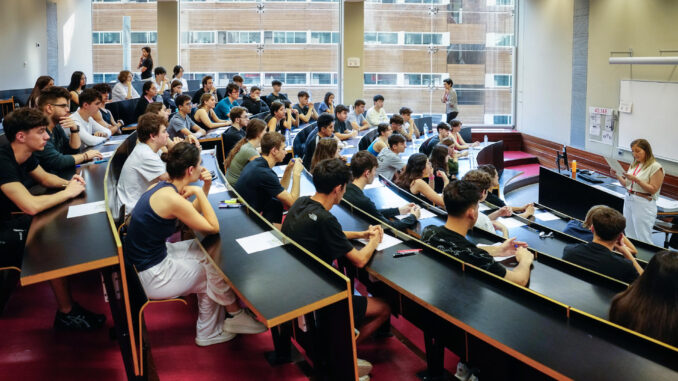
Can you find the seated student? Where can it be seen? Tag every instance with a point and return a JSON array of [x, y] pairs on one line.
[[275, 95], [310, 224], [143, 166], [280, 118], [239, 119], [524, 211], [42, 83], [342, 130], [161, 80], [240, 82], [60, 153], [294, 117], [223, 108], [178, 75], [364, 169], [376, 114], [582, 230], [245, 150], [123, 89], [91, 132], [259, 186], [388, 159], [207, 88], [443, 132], [167, 269], [26, 132], [461, 203], [148, 94], [356, 117], [77, 85], [325, 129], [459, 143], [453, 155], [487, 222], [158, 108], [169, 97], [306, 108], [327, 148], [205, 117], [648, 306], [253, 102], [181, 125], [439, 162], [411, 179], [396, 122], [607, 226], [408, 124], [381, 142], [327, 105], [105, 117]]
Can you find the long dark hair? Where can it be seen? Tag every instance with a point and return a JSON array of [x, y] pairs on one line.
[[176, 70], [181, 157], [147, 49], [40, 85], [327, 99], [254, 128], [326, 149], [438, 158], [75, 81], [650, 304], [414, 170]]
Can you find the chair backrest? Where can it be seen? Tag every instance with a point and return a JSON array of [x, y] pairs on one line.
[[221, 93], [6, 106], [194, 84], [367, 139], [261, 115], [422, 123], [299, 142], [465, 133]]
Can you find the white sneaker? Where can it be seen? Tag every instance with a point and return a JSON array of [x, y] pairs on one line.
[[364, 367], [364, 378], [222, 338], [463, 372], [242, 322]]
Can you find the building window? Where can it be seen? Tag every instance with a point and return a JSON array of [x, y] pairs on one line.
[[384, 79], [198, 76], [234, 37], [105, 77], [323, 78], [498, 119], [470, 95], [105, 38], [282, 37], [466, 54], [197, 37], [422, 79], [381, 38], [423, 38], [144, 37], [499, 39], [324, 38], [502, 3], [498, 80]]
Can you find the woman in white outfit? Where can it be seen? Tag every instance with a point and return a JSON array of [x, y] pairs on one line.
[[167, 269], [642, 181]]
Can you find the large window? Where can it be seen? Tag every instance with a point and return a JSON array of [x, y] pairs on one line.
[[411, 48]]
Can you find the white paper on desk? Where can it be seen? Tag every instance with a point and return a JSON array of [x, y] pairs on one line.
[[112, 143], [217, 187], [665, 203], [386, 242], [501, 259], [375, 184], [614, 165], [218, 131], [259, 242], [86, 209], [617, 183], [107, 154], [546, 216], [348, 156], [425, 213], [511, 223], [608, 190], [483, 207]]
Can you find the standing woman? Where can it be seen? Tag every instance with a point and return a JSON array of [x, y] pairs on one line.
[[450, 100], [642, 181], [327, 104], [412, 178], [78, 82], [146, 63], [167, 270], [178, 74], [205, 117], [124, 89], [43, 82], [245, 150]]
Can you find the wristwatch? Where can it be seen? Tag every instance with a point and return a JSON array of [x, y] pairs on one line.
[[76, 130]]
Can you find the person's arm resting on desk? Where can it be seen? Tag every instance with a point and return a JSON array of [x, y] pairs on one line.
[[359, 258], [521, 273], [33, 205]]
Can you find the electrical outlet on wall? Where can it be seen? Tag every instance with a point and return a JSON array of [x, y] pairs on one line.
[[353, 62]]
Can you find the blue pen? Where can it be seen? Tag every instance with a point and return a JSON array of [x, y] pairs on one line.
[[100, 161]]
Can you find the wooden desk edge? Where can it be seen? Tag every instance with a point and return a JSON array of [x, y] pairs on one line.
[[71, 270]]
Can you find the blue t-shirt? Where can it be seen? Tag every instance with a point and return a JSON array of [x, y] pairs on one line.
[[575, 229], [224, 107]]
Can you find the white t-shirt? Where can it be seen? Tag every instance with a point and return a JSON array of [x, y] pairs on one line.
[[88, 129], [484, 222], [140, 169]]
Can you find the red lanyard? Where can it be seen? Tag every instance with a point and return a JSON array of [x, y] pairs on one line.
[[635, 171]]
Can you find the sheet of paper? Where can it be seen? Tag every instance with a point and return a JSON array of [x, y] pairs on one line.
[[112, 143], [608, 190], [386, 242], [107, 154], [483, 207], [259, 242], [218, 131], [375, 184], [501, 259], [594, 124], [614, 165], [510, 223], [665, 203], [425, 213], [607, 137], [617, 183], [86, 209], [349, 146], [217, 187], [546, 216]]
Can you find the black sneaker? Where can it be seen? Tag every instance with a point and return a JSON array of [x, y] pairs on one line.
[[79, 319]]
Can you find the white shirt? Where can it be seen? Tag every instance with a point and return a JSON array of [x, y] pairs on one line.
[[184, 84], [140, 169], [88, 129], [375, 117], [119, 92], [484, 222]]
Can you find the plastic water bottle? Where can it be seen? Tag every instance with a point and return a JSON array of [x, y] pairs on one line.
[[288, 141], [426, 134], [485, 140]]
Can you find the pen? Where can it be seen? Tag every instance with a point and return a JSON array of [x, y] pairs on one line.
[[231, 201]]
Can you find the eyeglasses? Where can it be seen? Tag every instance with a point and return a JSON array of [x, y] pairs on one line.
[[63, 105]]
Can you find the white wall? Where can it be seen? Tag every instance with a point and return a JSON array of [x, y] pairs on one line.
[[23, 24], [544, 86], [74, 26]]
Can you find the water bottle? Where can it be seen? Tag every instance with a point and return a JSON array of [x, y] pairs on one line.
[[485, 140], [288, 141], [426, 134]]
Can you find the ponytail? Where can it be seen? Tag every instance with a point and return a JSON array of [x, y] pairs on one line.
[[254, 128]]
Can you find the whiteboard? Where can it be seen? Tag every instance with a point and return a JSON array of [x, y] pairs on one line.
[[654, 116]]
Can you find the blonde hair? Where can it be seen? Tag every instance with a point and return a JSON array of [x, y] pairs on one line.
[[645, 146], [204, 98], [589, 216]]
